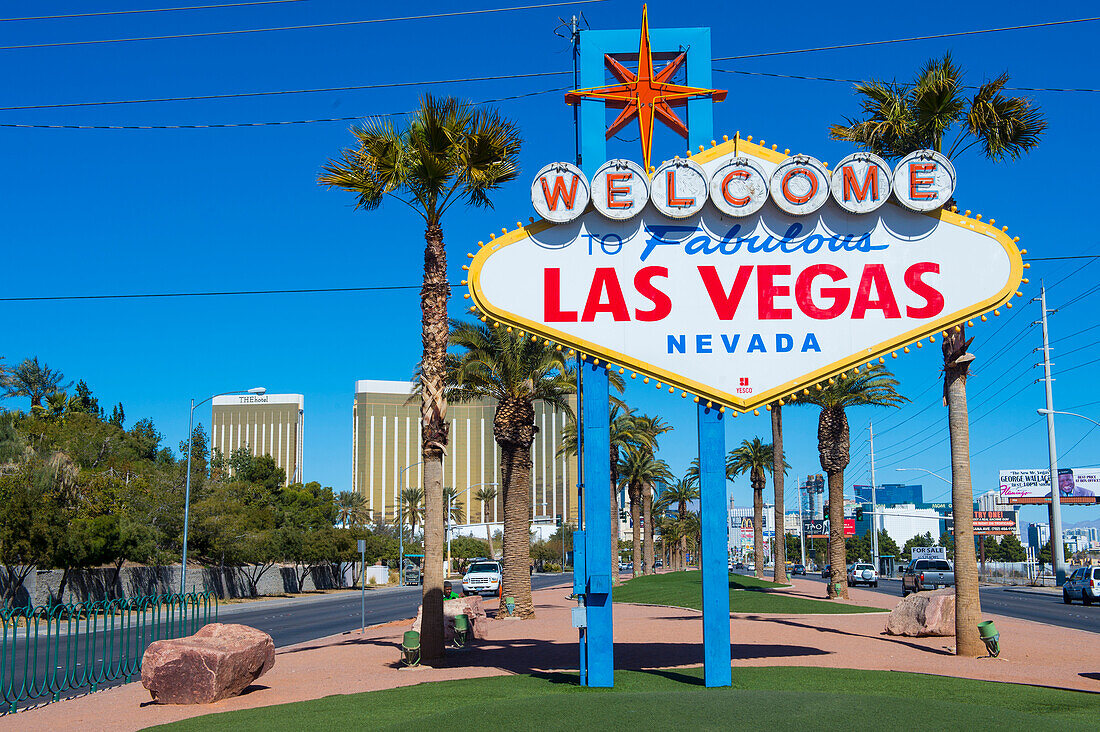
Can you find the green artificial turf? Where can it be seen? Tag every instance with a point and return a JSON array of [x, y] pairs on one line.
[[747, 595], [761, 698]]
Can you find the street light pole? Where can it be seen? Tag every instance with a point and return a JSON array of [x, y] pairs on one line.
[[874, 502], [187, 490], [401, 525], [1056, 550]]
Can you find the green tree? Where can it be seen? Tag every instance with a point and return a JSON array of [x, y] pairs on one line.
[[1012, 550], [638, 469], [872, 386], [351, 508], [412, 508], [654, 427], [793, 547], [898, 119], [779, 470], [920, 540], [33, 380], [145, 439], [31, 525], [118, 416], [450, 152], [673, 532], [486, 495], [886, 545], [755, 458], [515, 372]]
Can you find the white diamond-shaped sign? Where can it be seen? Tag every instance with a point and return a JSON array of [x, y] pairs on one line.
[[745, 310]]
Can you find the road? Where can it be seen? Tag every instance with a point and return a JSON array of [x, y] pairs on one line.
[[290, 622], [1016, 604], [287, 621]]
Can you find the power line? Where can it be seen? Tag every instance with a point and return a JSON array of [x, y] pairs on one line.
[[343, 23], [150, 10], [212, 293], [803, 77], [865, 44], [1075, 256], [238, 95], [259, 124]]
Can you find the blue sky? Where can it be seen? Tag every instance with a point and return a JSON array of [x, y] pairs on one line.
[[123, 211]]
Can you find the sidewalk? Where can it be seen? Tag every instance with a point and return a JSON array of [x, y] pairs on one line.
[[645, 637]]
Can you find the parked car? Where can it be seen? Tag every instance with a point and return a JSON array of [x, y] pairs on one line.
[[862, 574], [825, 571], [482, 577], [798, 569], [657, 564], [1083, 585], [927, 574]]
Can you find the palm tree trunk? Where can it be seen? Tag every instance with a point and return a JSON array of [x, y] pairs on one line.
[[515, 470], [433, 419], [778, 468], [758, 528], [489, 539], [636, 520], [838, 571], [968, 604], [647, 538]]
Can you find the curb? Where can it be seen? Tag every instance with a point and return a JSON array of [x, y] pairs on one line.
[[1033, 591]]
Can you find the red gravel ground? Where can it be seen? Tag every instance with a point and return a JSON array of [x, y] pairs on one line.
[[645, 637]]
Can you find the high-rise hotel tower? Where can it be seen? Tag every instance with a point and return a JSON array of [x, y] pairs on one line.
[[386, 456], [268, 424]]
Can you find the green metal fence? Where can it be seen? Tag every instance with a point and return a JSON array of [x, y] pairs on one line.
[[48, 651]]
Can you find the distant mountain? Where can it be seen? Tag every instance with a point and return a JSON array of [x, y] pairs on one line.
[[1084, 524]]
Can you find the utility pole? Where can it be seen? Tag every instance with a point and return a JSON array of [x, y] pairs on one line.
[[1056, 550], [874, 523]]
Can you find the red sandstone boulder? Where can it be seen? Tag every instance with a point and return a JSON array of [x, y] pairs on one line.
[[470, 606], [217, 662], [924, 614]]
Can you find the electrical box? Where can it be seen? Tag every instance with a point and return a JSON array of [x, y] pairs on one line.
[[580, 617], [579, 570]]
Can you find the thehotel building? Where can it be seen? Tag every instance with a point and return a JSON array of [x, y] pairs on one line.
[[386, 453], [268, 424]]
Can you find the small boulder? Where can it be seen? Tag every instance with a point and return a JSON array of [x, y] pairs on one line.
[[471, 606], [217, 662], [924, 614]]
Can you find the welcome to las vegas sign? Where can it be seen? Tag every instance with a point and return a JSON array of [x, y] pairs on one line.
[[742, 275]]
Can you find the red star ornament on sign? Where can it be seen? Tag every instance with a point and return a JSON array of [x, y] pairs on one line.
[[645, 96]]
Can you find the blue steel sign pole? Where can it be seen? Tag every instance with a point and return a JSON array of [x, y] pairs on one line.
[[712, 509], [594, 575], [596, 644]]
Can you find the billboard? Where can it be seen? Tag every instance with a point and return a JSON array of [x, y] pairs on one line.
[[735, 276], [989, 523], [1033, 486], [819, 528]]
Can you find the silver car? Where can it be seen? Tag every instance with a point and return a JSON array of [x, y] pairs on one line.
[[1083, 585]]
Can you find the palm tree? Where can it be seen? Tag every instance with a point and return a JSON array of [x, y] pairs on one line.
[[450, 152], [34, 380], [486, 495], [898, 119], [655, 426], [779, 463], [515, 371], [756, 459], [874, 386], [623, 433], [351, 508], [679, 494], [638, 469], [412, 506]]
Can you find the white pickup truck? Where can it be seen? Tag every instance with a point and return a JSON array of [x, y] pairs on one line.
[[482, 577]]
